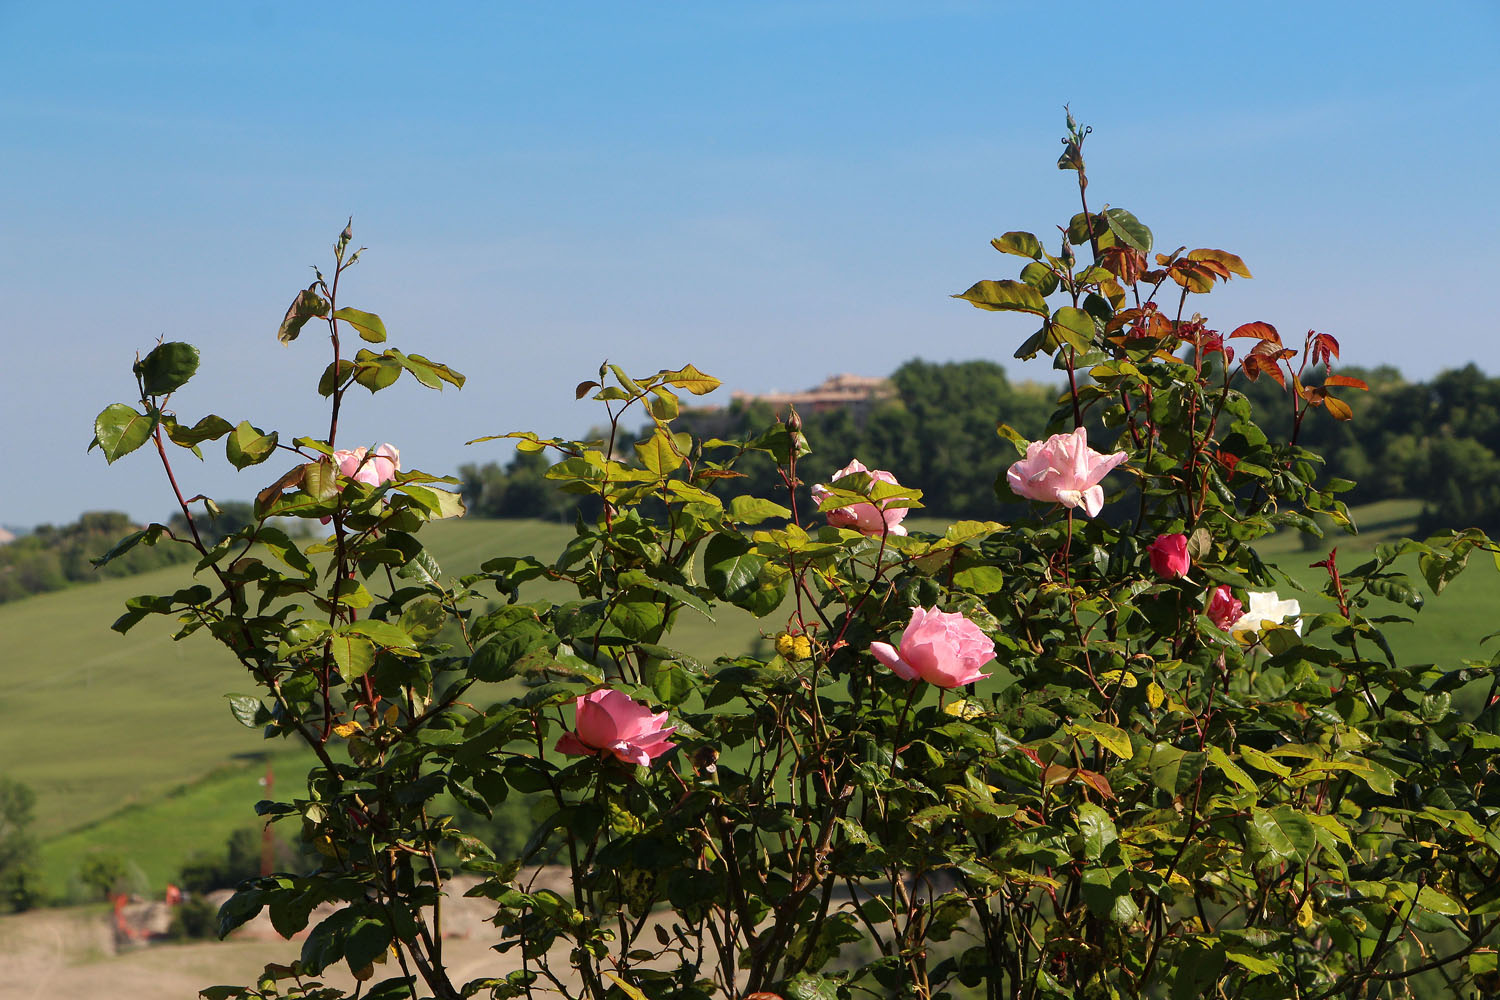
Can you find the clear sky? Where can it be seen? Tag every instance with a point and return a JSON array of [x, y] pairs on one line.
[[773, 191]]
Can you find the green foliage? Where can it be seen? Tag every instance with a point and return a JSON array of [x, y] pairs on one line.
[[103, 875], [20, 874], [1137, 800]]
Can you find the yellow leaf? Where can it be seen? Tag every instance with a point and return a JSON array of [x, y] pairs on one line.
[[392, 713], [793, 648], [1155, 695], [630, 991], [348, 729], [1120, 677], [1305, 915], [964, 709]]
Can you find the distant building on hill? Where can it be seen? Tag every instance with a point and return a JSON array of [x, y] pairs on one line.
[[852, 392], [6, 537]]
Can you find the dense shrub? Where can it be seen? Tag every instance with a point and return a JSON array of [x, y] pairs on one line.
[[1094, 752]]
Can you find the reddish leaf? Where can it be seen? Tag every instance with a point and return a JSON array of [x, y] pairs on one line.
[[1260, 331], [1254, 364], [1347, 380], [583, 389], [1096, 781], [1323, 347], [1124, 262], [293, 477]]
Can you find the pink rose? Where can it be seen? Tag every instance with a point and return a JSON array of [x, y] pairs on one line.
[[369, 467], [1065, 470], [1169, 556], [942, 648], [1223, 609], [869, 518], [611, 721]]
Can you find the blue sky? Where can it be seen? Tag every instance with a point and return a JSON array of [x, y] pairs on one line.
[[772, 191]]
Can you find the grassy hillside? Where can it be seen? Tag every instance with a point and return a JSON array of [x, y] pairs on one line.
[[118, 767]]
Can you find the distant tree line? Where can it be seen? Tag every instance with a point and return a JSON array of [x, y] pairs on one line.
[[1435, 441], [53, 557]]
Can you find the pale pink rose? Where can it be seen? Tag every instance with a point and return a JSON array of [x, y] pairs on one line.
[[1063, 469], [1223, 608], [611, 721], [940, 647], [869, 518], [370, 468], [1169, 556]]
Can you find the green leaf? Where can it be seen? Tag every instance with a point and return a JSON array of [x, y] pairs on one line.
[[1128, 229], [237, 909], [1173, 770], [1020, 244], [248, 445], [385, 634], [1106, 892], [1098, 830], [334, 376], [149, 534], [248, 710], [375, 371], [1040, 276], [495, 659], [368, 324], [354, 654], [1253, 964], [658, 453], [1117, 741], [1231, 770], [999, 296], [304, 307], [1439, 902], [121, 429], [210, 428], [1264, 762], [440, 504], [1282, 833], [671, 683], [691, 379], [731, 567], [980, 579], [1074, 327], [280, 544], [167, 367], [753, 510], [640, 578]]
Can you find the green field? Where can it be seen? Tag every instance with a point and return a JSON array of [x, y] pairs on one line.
[[130, 746]]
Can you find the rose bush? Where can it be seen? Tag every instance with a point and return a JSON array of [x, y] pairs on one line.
[[1131, 803]]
